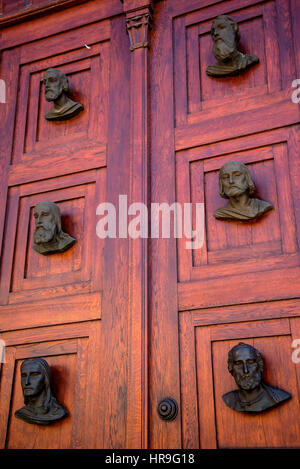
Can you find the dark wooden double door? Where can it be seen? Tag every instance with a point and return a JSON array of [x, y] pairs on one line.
[[127, 322]]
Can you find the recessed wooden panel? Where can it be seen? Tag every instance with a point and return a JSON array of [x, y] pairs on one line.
[[12, 6], [29, 276], [25, 436], [37, 266], [219, 425], [69, 352], [195, 91], [17, 6], [32, 270], [234, 240], [268, 429], [80, 91], [220, 106], [234, 247], [87, 70], [29, 269], [216, 92]]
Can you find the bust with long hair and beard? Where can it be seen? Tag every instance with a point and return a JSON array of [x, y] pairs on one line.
[[236, 185], [48, 236], [230, 61], [41, 407]]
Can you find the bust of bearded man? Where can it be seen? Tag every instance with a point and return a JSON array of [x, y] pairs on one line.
[[56, 90], [246, 365], [48, 237], [236, 185], [230, 61]]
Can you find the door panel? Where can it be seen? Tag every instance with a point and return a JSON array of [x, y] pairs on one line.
[[70, 351], [243, 283], [28, 276], [204, 353], [272, 167], [71, 153], [52, 306], [125, 323]]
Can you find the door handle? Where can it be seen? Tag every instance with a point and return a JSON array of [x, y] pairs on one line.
[[167, 409]]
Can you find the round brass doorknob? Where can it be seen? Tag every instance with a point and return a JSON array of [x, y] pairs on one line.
[[167, 409]]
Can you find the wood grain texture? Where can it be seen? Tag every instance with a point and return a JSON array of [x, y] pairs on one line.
[[68, 18], [270, 429], [137, 394], [223, 426], [57, 302], [243, 272], [113, 358], [13, 11], [71, 351], [164, 365], [125, 322]]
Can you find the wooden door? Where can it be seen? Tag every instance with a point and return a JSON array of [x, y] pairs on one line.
[[243, 283], [70, 308], [126, 322]]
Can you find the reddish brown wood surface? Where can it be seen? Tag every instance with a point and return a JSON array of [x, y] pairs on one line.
[[13, 11], [243, 272], [127, 322], [138, 268], [78, 165]]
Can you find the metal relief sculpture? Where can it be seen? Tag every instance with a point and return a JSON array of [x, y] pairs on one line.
[[246, 366], [49, 238], [56, 90], [167, 409], [235, 184], [230, 61], [41, 407]]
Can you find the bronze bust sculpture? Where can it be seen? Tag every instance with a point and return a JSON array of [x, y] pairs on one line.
[[49, 238], [56, 90], [235, 184], [230, 61], [246, 366], [41, 407]]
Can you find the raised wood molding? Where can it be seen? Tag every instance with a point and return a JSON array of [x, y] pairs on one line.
[[138, 18], [28, 12]]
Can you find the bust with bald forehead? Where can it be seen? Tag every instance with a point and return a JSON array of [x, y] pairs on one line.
[[230, 61], [48, 236], [56, 90], [235, 184], [246, 365]]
